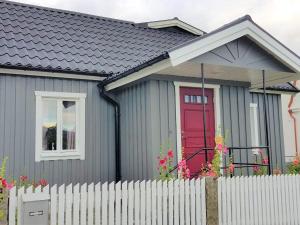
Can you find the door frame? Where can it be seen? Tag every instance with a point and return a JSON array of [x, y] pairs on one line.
[[217, 106]]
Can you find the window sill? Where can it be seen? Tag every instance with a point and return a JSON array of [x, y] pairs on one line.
[[45, 156]]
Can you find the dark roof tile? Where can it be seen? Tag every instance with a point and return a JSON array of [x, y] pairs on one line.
[[49, 39]]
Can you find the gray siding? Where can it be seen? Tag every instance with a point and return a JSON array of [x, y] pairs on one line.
[[275, 126], [242, 52], [148, 120], [17, 132]]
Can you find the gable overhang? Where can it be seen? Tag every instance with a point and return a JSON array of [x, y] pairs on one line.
[[180, 61], [175, 23]]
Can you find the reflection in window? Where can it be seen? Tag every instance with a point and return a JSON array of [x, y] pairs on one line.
[[68, 124], [49, 125]]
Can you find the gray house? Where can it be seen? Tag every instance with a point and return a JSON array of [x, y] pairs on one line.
[[85, 98]]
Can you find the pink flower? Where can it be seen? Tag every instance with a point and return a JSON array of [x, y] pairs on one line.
[[265, 161], [296, 162], [225, 150], [231, 168], [162, 162], [4, 183], [255, 169], [43, 182], [209, 165], [23, 178], [187, 173], [10, 186], [164, 167], [182, 164], [170, 153], [220, 147]]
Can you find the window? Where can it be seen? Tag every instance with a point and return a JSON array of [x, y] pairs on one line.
[[195, 99], [254, 126], [60, 125]]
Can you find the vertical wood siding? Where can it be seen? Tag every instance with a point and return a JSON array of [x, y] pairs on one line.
[[147, 122], [275, 126], [17, 132]]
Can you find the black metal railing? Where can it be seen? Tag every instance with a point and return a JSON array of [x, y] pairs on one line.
[[240, 165]]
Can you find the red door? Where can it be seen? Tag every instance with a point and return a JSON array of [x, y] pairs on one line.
[[192, 129]]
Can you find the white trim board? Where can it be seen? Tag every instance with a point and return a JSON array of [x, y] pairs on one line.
[[217, 109], [34, 73], [175, 23]]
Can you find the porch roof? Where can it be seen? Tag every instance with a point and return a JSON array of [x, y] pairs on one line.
[[179, 60]]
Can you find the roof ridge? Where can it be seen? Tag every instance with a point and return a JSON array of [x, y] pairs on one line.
[[75, 13]]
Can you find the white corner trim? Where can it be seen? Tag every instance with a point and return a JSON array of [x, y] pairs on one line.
[[34, 73], [217, 108], [59, 154], [177, 23], [220, 38], [139, 74]]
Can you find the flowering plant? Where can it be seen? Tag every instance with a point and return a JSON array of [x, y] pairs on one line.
[[294, 166], [260, 159], [165, 164]]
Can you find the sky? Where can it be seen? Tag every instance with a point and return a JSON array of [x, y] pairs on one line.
[[281, 18]]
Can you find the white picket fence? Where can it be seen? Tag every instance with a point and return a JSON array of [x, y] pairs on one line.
[[175, 202], [259, 200]]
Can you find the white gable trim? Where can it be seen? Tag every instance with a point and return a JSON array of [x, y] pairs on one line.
[[175, 23], [263, 39]]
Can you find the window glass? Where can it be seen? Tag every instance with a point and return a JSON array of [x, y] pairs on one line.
[[186, 98], [49, 124], [68, 125]]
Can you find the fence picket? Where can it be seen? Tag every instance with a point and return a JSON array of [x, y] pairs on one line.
[[53, 205], [104, 203], [187, 201], [137, 202], [111, 206], [76, 204], [176, 202], [165, 203], [124, 202], [83, 204], [159, 202], [171, 201], [69, 203], [203, 201], [118, 203], [90, 210], [130, 203], [181, 202], [21, 191], [143, 203], [192, 201], [12, 206], [61, 205], [98, 204], [148, 203], [153, 203]]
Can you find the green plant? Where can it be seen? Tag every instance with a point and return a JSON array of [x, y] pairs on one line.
[[294, 166]]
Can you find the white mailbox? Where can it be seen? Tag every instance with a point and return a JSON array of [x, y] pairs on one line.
[[35, 209]]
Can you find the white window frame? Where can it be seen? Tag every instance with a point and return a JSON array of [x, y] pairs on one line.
[[254, 126], [79, 152]]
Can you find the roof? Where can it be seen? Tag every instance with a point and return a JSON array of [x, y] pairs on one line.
[[285, 87], [40, 38]]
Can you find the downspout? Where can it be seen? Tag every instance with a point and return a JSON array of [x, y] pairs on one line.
[[294, 120], [116, 106]]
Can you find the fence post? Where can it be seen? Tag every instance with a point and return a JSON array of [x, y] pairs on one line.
[[211, 189], [3, 207]]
